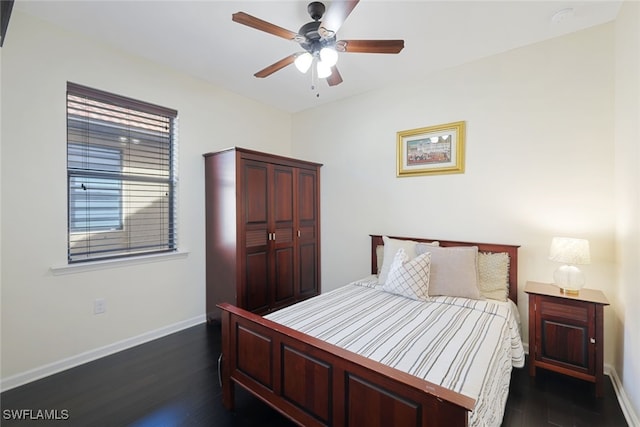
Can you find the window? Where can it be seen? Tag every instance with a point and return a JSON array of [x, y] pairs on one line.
[[94, 203], [121, 176]]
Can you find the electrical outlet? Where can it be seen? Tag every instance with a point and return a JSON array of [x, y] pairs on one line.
[[99, 306]]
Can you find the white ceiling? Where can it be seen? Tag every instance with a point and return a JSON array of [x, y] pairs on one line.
[[199, 38]]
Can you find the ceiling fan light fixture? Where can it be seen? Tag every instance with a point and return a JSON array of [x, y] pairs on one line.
[[329, 56], [318, 41], [303, 62], [324, 70]]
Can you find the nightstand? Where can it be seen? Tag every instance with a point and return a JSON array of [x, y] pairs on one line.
[[566, 332]]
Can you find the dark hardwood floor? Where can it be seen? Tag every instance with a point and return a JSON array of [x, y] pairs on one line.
[[173, 381]]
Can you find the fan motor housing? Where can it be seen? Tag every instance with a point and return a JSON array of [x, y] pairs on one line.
[[313, 41]]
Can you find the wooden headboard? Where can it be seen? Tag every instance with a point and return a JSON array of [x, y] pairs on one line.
[[512, 250]]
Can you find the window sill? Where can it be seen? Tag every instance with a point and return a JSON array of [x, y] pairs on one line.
[[113, 263]]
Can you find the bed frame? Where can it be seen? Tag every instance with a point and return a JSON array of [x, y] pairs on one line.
[[314, 383]]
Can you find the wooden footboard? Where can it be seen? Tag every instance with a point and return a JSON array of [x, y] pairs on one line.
[[318, 384]]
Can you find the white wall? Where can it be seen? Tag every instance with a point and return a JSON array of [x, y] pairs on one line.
[[539, 162], [627, 165], [47, 318]]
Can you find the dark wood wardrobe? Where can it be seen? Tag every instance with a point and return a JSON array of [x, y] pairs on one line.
[[262, 230]]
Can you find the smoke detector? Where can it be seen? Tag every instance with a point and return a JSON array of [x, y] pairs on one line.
[[562, 15]]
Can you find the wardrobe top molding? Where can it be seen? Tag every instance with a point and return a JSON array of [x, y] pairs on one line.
[[259, 155]]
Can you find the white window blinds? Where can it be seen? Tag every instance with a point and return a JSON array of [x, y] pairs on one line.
[[121, 170]]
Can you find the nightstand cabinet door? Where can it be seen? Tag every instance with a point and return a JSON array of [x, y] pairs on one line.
[[566, 336]]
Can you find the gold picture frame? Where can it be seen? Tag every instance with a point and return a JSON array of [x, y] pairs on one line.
[[431, 150]]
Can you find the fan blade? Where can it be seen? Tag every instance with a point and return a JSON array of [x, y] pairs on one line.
[[276, 66], [259, 24], [336, 15], [335, 78], [370, 46]]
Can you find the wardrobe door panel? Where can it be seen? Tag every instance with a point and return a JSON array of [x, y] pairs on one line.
[[282, 195], [307, 197], [308, 269], [308, 239], [253, 293], [256, 295], [284, 273], [282, 218], [255, 202]]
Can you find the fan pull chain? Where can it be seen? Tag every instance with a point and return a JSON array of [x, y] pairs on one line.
[[314, 78]]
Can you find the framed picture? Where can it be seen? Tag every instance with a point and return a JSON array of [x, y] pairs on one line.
[[432, 150]]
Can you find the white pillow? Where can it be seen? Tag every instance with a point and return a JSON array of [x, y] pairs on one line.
[[391, 247], [454, 270], [493, 275], [367, 282], [409, 278]]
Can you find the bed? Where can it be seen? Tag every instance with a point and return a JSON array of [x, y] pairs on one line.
[[302, 364]]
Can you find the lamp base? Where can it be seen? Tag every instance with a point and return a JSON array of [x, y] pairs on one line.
[[569, 279]]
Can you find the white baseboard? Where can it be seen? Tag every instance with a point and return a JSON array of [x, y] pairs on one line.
[[88, 356], [626, 406]]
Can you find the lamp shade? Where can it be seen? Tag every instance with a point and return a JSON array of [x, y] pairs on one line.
[[303, 62], [568, 250], [329, 56], [323, 70]]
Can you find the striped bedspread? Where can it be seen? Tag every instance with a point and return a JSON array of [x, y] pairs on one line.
[[468, 346]]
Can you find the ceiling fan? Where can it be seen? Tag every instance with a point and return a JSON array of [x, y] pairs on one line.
[[318, 39]]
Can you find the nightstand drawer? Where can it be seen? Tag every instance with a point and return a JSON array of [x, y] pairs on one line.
[[559, 309]]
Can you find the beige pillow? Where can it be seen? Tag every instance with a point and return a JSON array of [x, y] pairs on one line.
[[391, 247], [493, 275], [409, 278], [454, 270]]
